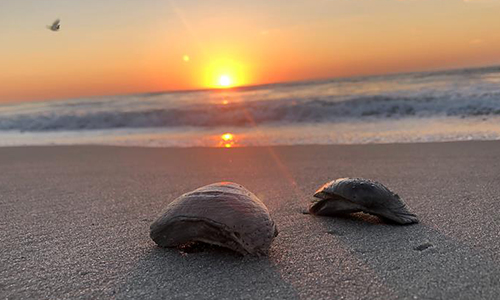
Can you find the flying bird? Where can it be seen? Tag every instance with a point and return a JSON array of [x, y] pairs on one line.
[[55, 26]]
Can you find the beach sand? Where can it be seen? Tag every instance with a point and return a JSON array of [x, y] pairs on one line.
[[74, 223]]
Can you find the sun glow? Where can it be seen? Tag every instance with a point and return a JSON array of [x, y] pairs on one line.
[[227, 140], [227, 137], [225, 81], [225, 73]]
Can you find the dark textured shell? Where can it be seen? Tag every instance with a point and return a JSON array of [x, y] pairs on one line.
[[224, 214], [348, 195]]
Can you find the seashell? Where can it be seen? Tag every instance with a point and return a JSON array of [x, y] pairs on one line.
[[224, 214], [349, 195]]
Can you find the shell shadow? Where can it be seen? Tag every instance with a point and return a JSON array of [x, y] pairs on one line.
[[416, 261], [203, 272]]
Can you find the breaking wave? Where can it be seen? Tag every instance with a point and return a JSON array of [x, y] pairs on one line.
[[459, 93], [258, 112]]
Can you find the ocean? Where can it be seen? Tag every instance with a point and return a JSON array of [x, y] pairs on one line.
[[451, 105]]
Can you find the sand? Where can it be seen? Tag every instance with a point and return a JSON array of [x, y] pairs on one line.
[[74, 223]]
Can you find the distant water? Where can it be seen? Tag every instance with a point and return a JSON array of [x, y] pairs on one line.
[[416, 107]]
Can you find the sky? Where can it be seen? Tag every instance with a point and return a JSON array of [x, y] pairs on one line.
[[108, 47]]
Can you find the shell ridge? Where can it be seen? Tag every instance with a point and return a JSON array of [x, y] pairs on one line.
[[227, 232]]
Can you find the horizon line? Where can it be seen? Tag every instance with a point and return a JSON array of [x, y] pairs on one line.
[[256, 86]]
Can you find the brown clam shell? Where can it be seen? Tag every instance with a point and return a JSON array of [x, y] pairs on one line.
[[224, 214], [349, 195]]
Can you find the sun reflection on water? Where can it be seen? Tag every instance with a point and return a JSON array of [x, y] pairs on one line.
[[227, 140]]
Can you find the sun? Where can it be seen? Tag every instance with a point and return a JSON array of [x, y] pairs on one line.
[[225, 81], [225, 73]]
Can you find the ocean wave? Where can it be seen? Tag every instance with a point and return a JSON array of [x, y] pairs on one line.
[[304, 110]]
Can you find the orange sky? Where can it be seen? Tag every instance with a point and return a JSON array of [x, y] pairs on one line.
[[127, 46]]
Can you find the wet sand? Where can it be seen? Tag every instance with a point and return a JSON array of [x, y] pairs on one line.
[[74, 223]]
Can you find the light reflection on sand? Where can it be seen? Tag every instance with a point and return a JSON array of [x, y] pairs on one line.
[[354, 132], [228, 140]]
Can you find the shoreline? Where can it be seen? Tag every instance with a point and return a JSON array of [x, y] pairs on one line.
[[252, 146], [376, 131]]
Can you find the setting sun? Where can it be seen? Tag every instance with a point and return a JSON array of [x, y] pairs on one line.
[[225, 73], [225, 81]]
